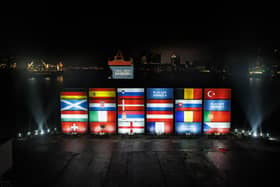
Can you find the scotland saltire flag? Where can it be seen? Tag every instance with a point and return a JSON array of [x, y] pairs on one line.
[[74, 105]]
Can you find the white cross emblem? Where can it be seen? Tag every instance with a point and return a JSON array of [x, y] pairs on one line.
[[74, 127]]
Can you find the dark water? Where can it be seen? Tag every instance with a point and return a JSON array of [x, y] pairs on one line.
[[36, 100]]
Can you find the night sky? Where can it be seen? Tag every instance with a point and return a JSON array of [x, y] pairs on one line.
[[94, 30]]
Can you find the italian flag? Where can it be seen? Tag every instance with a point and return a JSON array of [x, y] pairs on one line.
[[102, 116]]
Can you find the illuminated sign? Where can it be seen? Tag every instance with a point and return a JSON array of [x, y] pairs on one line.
[[74, 112], [122, 72], [188, 107], [131, 114], [102, 110], [159, 109], [217, 107]]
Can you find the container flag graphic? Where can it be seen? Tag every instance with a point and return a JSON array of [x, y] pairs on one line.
[[102, 110], [217, 110], [131, 111], [159, 110], [188, 110], [74, 112]]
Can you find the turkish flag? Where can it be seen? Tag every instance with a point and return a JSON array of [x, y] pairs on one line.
[[217, 93]]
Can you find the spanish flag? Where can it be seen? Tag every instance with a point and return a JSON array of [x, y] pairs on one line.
[[102, 93]]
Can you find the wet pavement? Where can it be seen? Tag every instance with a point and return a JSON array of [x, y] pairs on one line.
[[144, 161]]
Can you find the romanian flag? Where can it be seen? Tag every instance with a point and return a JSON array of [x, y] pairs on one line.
[[216, 116], [217, 93], [73, 95], [188, 116], [102, 93], [188, 93], [102, 116]]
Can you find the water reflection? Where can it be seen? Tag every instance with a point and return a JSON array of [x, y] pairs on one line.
[[60, 78]]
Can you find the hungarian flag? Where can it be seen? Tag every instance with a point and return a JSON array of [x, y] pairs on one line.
[[74, 116], [188, 116], [159, 105], [102, 116], [190, 128], [74, 127], [163, 127], [217, 116], [130, 104], [102, 105], [188, 93], [102, 93], [132, 127], [216, 127], [73, 95], [102, 127], [185, 105], [131, 93], [127, 116], [159, 116], [217, 93]]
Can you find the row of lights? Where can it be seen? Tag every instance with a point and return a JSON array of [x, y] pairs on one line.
[[254, 134], [37, 132]]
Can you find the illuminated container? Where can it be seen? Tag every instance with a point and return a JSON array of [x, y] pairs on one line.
[[217, 110], [159, 110], [102, 110], [188, 110], [74, 112], [131, 111]]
